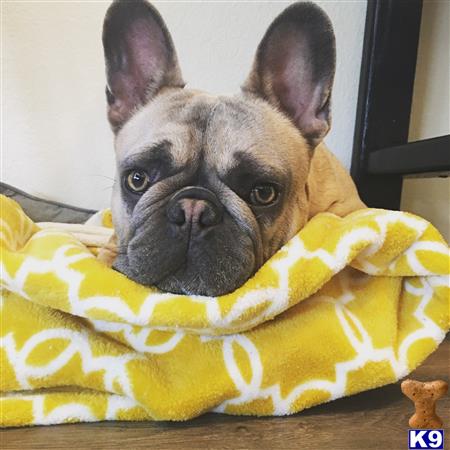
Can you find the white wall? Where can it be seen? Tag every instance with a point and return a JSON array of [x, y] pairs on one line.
[[56, 141], [430, 197]]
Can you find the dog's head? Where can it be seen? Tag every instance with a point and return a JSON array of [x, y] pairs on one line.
[[209, 187]]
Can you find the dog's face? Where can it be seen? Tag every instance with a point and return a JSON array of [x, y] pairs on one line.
[[209, 187]]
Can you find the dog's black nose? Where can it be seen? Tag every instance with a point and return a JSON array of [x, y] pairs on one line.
[[194, 207]]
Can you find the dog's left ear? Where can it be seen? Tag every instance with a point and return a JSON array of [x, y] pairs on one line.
[[140, 58], [294, 68]]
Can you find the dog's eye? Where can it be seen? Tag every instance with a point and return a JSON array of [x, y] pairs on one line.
[[263, 194], [137, 181]]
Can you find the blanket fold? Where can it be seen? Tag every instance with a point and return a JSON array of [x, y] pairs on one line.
[[348, 304]]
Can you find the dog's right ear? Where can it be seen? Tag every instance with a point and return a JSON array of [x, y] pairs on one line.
[[140, 58], [294, 68]]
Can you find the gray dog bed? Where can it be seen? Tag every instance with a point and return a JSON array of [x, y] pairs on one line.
[[40, 210]]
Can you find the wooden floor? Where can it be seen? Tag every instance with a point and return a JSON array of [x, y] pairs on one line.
[[376, 419]]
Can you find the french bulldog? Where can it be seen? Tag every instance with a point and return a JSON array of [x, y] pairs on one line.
[[209, 187]]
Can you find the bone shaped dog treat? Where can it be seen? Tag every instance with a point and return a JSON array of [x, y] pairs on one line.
[[424, 396]]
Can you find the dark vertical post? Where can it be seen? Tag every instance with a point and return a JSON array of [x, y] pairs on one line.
[[385, 93]]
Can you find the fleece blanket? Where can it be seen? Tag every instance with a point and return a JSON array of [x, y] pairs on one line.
[[347, 305]]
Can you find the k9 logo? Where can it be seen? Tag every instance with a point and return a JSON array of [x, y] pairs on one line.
[[418, 439]]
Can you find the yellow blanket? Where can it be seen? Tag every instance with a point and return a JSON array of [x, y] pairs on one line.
[[347, 305]]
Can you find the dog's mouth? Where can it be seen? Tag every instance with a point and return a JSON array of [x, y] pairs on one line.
[[188, 277]]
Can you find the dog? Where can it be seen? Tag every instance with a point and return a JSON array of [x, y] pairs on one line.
[[209, 187]]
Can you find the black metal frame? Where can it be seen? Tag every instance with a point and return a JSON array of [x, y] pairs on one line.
[[381, 154]]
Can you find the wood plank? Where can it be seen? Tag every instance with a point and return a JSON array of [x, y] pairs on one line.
[[376, 419]]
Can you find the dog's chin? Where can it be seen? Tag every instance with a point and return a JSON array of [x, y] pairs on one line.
[[188, 281], [196, 286]]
